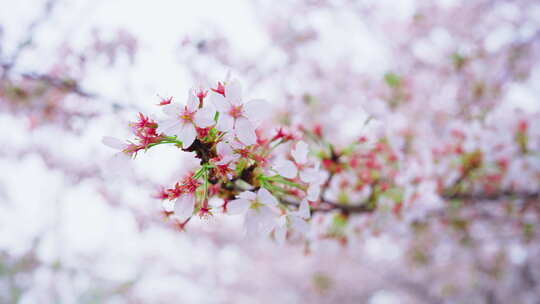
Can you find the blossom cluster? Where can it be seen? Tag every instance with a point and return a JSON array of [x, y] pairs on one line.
[[277, 179], [272, 180]]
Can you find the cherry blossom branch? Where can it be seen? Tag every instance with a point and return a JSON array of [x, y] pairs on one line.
[[328, 206], [278, 189], [68, 85], [72, 86]]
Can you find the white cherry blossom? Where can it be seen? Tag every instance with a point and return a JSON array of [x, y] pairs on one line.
[[182, 120], [260, 219], [295, 220], [308, 171], [237, 117]]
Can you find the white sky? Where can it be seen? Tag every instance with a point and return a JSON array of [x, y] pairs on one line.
[[38, 197]]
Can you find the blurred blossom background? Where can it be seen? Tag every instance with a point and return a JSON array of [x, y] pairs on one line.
[[78, 225]]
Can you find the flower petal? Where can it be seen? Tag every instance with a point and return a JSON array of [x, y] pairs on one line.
[[248, 195], [184, 206], [310, 175], [267, 220], [219, 101], [313, 192], [260, 221], [113, 142], [233, 92], [204, 117], [225, 122], [285, 168], [187, 135], [245, 131], [257, 110], [223, 149], [170, 126], [303, 210], [300, 152], [238, 206], [299, 225], [192, 102], [172, 109], [265, 197]]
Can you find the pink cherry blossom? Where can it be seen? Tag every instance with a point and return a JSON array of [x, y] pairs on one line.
[[308, 170]]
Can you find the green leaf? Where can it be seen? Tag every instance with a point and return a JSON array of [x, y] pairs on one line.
[[309, 99], [339, 223], [392, 80], [459, 60]]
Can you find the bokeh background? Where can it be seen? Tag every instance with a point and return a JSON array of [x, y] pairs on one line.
[[79, 226]]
